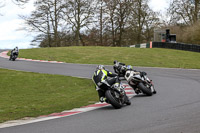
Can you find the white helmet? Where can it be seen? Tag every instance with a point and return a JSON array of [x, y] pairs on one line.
[[100, 67]]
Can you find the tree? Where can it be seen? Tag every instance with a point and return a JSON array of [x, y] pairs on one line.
[[117, 12], [46, 21], [101, 19], [91, 22], [152, 21], [123, 12], [79, 15], [111, 9], [184, 11], [142, 21]]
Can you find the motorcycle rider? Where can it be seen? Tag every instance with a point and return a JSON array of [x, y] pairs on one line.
[[101, 80], [15, 51], [121, 69]]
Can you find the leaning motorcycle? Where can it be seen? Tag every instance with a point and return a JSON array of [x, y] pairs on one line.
[[140, 84], [115, 95], [13, 56], [137, 80]]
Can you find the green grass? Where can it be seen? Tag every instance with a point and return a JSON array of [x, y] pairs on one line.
[[106, 55], [26, 94]]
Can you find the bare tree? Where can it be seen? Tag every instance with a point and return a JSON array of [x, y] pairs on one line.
[[152, 21], [101, 21], [184, 11], [89, 22], [123, 12], [117, 13], [100, 11], [46, 20], [79, 15], [141, 18]]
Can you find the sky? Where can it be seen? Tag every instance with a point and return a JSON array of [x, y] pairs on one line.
[[10, 23]]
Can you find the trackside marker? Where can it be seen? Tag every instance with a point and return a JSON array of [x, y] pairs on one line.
[[64, 113], [96, 105]]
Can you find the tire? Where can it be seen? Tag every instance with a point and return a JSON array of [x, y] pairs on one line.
[[112, 100], [144, 89]]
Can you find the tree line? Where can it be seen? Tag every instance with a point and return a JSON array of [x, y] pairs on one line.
[[185, 20], [108, 22], [91, 22]]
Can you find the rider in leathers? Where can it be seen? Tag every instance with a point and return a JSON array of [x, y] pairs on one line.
[[15, 51], [101, 75], [121, 68]]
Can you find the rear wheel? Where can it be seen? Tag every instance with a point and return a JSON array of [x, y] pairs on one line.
[[116, 103], [144, 89]]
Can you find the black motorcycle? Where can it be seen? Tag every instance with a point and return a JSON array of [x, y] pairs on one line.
[[115, 95], [137, 80], [13, 56]]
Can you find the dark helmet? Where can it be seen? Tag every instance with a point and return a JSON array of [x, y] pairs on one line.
[[115, 61]]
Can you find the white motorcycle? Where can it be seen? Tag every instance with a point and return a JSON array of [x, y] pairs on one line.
[[137, 80]]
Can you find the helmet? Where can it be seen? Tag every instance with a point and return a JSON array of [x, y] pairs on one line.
[[123, 68], [100, 67], [115, 61], [129, 67]]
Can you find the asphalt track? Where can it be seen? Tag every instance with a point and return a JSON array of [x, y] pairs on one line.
[[175, 109]]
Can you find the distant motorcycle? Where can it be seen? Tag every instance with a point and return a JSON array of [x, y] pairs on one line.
[[13, 56], [137, 80], [115, 95]]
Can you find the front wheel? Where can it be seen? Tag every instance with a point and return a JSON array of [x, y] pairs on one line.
[[110, 96], [144, 89]]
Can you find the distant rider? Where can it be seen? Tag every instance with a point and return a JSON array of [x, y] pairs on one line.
[[102, 80], [15, 51]]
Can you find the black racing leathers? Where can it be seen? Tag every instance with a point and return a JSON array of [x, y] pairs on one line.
[[101, 75]]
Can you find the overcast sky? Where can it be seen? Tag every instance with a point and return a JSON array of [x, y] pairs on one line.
[[11, 37]]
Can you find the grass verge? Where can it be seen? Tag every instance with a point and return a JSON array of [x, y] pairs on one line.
[[26, 94], [155, 57]]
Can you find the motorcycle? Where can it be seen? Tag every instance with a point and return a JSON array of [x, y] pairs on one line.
[[13, 56], [137, 80], [115, 95]]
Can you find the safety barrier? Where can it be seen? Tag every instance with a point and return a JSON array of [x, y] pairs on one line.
[[179, 46], [144, 45]]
